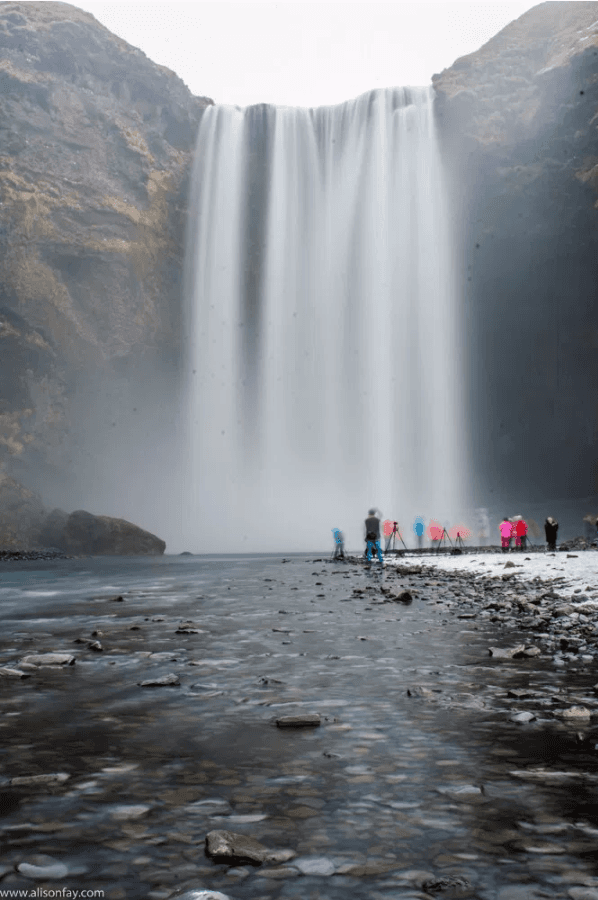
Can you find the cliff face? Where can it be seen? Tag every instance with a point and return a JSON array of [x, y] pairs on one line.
[[95, 150], [519, 123]]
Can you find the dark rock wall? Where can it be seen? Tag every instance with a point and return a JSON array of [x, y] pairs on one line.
[[519, 123], [95, 150]]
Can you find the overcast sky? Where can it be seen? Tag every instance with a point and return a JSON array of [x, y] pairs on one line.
[[303, 53]]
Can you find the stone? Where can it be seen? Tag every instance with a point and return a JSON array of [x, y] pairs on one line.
[[95, 645], [574, 713], [506, 652], [201, 895], [314, 865], [237, 848], [531, 652], [583, 893], [404, 597], [13, 673], [42, 868], [522, 718], [509, 564], [126, 812], [170, 680], [279, 856], [300, 721], [49, 659], [50, 778], [462, 791]]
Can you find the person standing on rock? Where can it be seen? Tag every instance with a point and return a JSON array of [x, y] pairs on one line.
[[505, 529], [551, 526], [372, 536]]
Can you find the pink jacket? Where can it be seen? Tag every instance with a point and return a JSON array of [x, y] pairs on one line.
[[505, 529]]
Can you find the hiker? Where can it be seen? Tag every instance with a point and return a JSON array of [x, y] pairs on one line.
[[339, 544], [520, 533], [551, 526], [372, 536], [506, 533]]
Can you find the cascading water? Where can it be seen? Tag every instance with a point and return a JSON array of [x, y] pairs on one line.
[[323, 349]]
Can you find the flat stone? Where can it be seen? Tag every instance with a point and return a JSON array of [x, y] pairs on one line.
[[522, 717], [530, 652], [49, 659], [123, 813], [369, 868], [506, 652], [226, 845], [202, 895], [583, 893], [574, 712], [314, 865], [51, 778], [461, 791], [279, 856], [280, 872], [303, 721], [13, 673], [42, 868], [165, 680]]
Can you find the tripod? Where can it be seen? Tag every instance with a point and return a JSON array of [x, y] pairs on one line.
[[392, 539], [444, 537]]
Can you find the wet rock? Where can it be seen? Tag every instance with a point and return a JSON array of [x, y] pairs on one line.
[[201, 895], [583, 893], [509, 564], [301, 721], [50, 778], [404, 597], [506, 652], [314, 865], [42, 868], [163, 681], [124, 813], [118, 598], [522, 717], [95, 645], [279, 856], [188, 628], [280, 872], [447, 885], [238, 848], [49, 659], [13, 673], [358, 870], [462, 791], [575, 713], [530, 652]]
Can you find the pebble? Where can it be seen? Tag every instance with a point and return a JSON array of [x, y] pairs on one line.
[[506, 652], [314, 865], [583, 893], [574, 712], [124, 813], [227, 845], [522, 717], [164, 680], [302, 721], [202, 895], [50, 778]]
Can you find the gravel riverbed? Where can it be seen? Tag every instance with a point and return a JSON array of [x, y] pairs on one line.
[[448, 749]]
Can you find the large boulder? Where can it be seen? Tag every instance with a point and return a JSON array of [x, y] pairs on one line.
[[82, 533]]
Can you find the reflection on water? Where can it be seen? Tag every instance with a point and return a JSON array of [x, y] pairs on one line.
[[415, 768]]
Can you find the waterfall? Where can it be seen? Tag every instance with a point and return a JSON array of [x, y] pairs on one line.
[[323, 349]]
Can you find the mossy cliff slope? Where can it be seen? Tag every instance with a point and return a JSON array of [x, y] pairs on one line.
[[519, 120], [95, 150]]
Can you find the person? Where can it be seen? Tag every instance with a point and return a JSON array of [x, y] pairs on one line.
[[372, 536], [505, 529], [551, 526], [418, 527], [339, 543], [520, 533]]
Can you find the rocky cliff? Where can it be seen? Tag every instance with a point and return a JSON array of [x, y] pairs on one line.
[[95, 149], [519, 123]]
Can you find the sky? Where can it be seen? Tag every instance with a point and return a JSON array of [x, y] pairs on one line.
[[303, 53]]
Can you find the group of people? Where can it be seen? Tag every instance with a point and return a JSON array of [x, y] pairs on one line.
[[514, 528]]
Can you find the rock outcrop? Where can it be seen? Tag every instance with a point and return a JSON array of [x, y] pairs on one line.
[[26, 525], [519, 123], [95, 148]]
